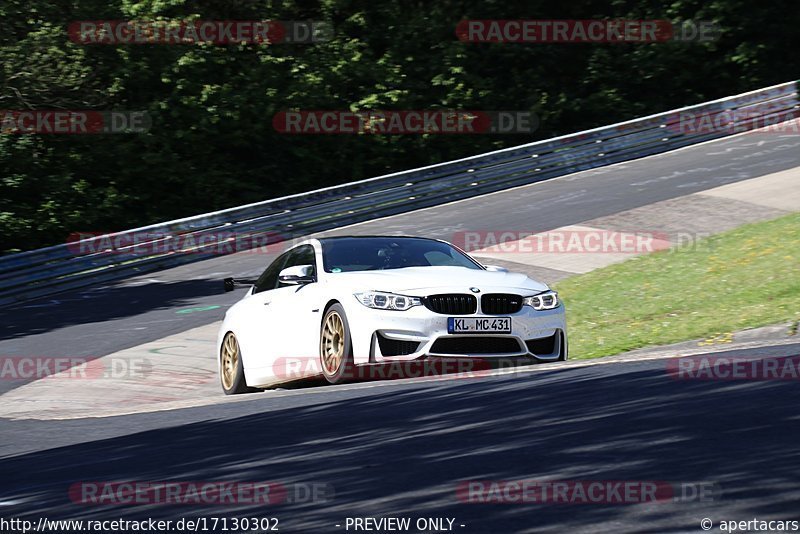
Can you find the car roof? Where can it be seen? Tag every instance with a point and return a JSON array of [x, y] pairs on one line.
[[322, 240]]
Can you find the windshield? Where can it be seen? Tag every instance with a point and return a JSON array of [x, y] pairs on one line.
[[345, 254]]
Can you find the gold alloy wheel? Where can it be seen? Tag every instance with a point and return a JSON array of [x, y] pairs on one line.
[[331, 344], [230, 361]]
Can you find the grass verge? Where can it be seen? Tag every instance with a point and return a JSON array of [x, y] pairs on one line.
[[744, 278]]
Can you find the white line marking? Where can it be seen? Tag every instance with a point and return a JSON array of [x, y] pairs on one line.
[[48, 304]]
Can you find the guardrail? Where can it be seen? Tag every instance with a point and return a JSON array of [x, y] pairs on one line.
[[36, 273]]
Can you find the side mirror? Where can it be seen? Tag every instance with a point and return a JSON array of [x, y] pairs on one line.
[[231, 283], [495, 268], [299, 274]]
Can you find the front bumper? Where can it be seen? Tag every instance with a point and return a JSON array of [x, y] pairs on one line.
[[384, 336]]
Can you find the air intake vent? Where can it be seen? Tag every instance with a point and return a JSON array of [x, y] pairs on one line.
[[396, 347], [475, 345], [543, 346]]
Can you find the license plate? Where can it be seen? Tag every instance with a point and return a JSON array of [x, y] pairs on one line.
[[479, 325]]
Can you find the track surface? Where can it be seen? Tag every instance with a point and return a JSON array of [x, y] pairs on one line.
[[401, 448]]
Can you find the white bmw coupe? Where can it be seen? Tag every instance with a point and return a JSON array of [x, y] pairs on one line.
[[345, 302]]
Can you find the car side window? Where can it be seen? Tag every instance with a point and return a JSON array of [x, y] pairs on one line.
[[301, 256], [269, 278]]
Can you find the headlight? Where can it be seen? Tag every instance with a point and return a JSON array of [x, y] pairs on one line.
[[387, 301], [543, 301]]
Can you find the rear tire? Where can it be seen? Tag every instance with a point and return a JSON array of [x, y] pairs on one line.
[[335, 347]]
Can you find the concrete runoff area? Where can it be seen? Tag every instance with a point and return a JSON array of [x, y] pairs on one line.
[[681, 221]]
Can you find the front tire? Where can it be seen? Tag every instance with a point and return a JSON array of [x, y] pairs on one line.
[[335, 347], [231, 368]]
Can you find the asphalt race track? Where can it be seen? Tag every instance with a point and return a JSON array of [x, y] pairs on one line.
[[401, 448]]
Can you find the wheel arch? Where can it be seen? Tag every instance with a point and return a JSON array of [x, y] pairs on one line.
[[361, 342], [325, 309]]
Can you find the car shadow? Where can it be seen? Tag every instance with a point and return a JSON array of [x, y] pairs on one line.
[[426, 367], [105, 303], [82, 326]]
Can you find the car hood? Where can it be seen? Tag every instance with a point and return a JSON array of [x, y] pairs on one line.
[[420, 281]]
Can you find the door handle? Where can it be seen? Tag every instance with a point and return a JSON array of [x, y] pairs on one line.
[[267, 302]]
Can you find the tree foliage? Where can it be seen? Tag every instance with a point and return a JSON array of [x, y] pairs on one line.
[[212, 144]]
